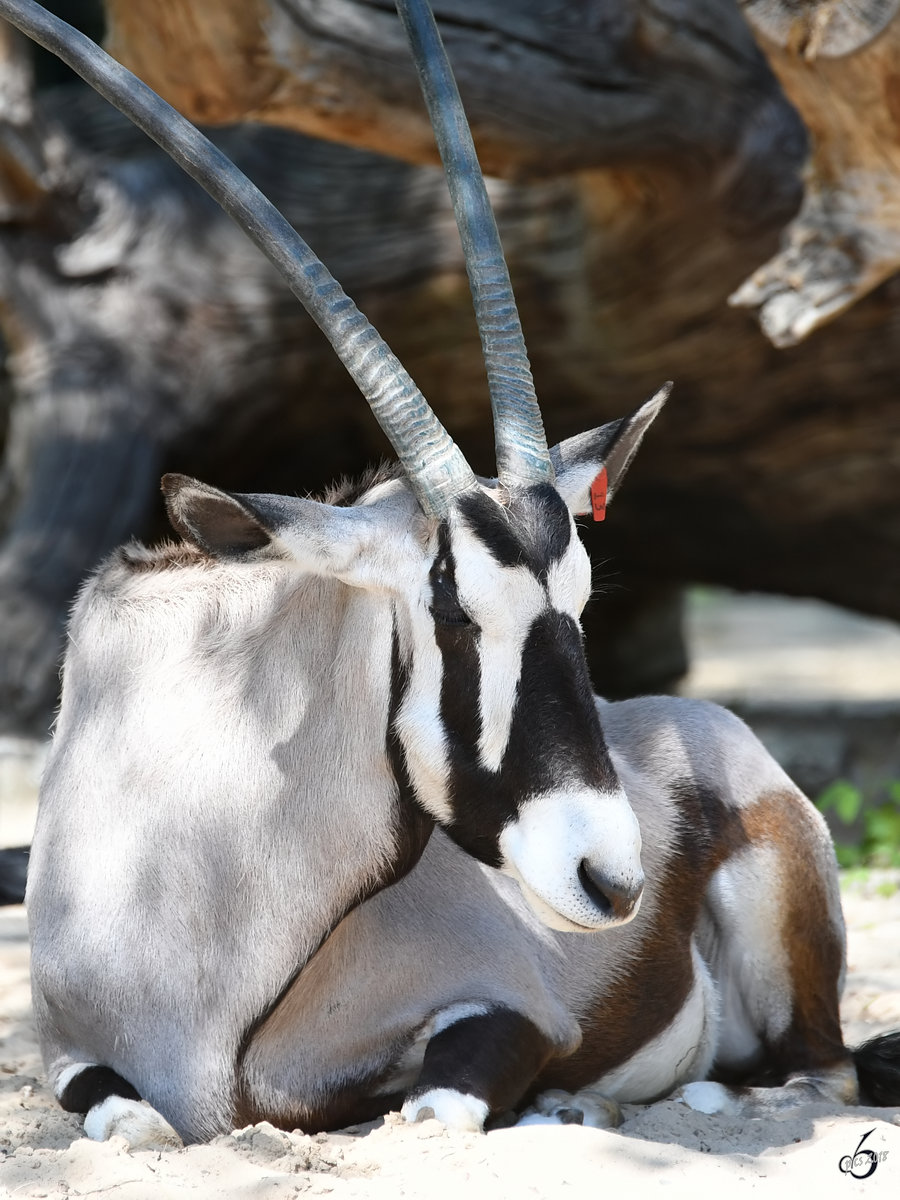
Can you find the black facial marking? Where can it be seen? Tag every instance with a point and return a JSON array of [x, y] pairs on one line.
[[92, 1086], [460, 688], [445, 606], [412, 827], [534, 532], [555, 737]]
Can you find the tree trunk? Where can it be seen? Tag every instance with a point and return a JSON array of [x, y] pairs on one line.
[[840, 65], [127, 291], [549, 88]]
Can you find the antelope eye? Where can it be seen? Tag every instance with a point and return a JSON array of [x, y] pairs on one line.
[[445, 606]]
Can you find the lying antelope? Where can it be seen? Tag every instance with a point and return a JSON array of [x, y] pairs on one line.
[[240, 908]]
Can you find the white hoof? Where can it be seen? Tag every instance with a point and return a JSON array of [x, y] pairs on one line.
[[454, 1109], [141, 1126], [708, 1097], [533, 1118], [586, 1107]]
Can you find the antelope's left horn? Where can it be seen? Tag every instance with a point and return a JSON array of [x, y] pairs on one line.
[[522, 454]]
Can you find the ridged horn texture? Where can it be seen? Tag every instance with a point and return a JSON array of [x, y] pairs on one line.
[[436, 468], [522, 454]]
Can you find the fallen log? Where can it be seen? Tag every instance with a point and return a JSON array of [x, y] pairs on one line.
[[771, 470], [840, 65]]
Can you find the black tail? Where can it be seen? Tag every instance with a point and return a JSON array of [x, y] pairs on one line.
[[13, 869], [878, 1067]]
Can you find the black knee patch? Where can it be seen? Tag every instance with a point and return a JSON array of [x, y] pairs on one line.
[[495, 1056], [92, 1086]]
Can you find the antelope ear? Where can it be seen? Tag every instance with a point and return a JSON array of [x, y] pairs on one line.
[[579, 460], [223, 525], [348, 543]]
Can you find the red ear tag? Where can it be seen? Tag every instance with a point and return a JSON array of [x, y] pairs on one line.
[[598, 496]]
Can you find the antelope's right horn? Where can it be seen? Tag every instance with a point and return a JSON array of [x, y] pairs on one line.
[[521, 445]]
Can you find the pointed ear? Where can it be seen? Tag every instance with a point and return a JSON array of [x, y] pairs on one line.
[[222, 524], [578, 460], [320, 538]]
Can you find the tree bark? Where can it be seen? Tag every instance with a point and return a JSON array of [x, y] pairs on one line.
[[148, 335], [549, 87], [840, 65]]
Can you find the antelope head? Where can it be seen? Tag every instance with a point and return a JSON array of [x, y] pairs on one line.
[[493, 719]]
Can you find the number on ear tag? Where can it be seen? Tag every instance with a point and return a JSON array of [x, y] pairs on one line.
[[598, 497]]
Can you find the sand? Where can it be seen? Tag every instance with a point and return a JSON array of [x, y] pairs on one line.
[[663, 1147]]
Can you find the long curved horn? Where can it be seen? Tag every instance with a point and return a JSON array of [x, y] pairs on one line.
[[435, 467], [522, 454]]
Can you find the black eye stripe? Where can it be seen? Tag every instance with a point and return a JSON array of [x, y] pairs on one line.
[[535, 533], [445, 606], [443, 591]]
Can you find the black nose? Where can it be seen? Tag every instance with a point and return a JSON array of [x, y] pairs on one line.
[[616, 900]]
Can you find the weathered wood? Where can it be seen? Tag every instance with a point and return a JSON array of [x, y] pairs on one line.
[[552, 88], [821, 28], [115, 352], [148, 334], [548, 87], [839, 63]]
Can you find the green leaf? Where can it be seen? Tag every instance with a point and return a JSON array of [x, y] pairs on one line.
[[848, 856], [844, 798], [883, 826]]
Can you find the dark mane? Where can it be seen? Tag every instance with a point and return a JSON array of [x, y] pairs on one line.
[[346, 492]]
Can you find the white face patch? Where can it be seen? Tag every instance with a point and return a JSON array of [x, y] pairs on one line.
[[496, 602], [500, 659], [420, 728], [569, 579], [499, 598], [501, 667], [558, 833], [504, 602]]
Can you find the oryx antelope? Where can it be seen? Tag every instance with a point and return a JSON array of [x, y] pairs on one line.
[[235, 908]]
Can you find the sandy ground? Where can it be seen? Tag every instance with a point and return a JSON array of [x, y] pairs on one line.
[[662, 1147]]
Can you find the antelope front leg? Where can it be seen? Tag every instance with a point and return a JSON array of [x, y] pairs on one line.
[[478, 1067], [111, 1106]]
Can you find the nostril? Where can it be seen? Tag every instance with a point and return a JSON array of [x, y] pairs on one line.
[[613, 900], [592, 884]]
